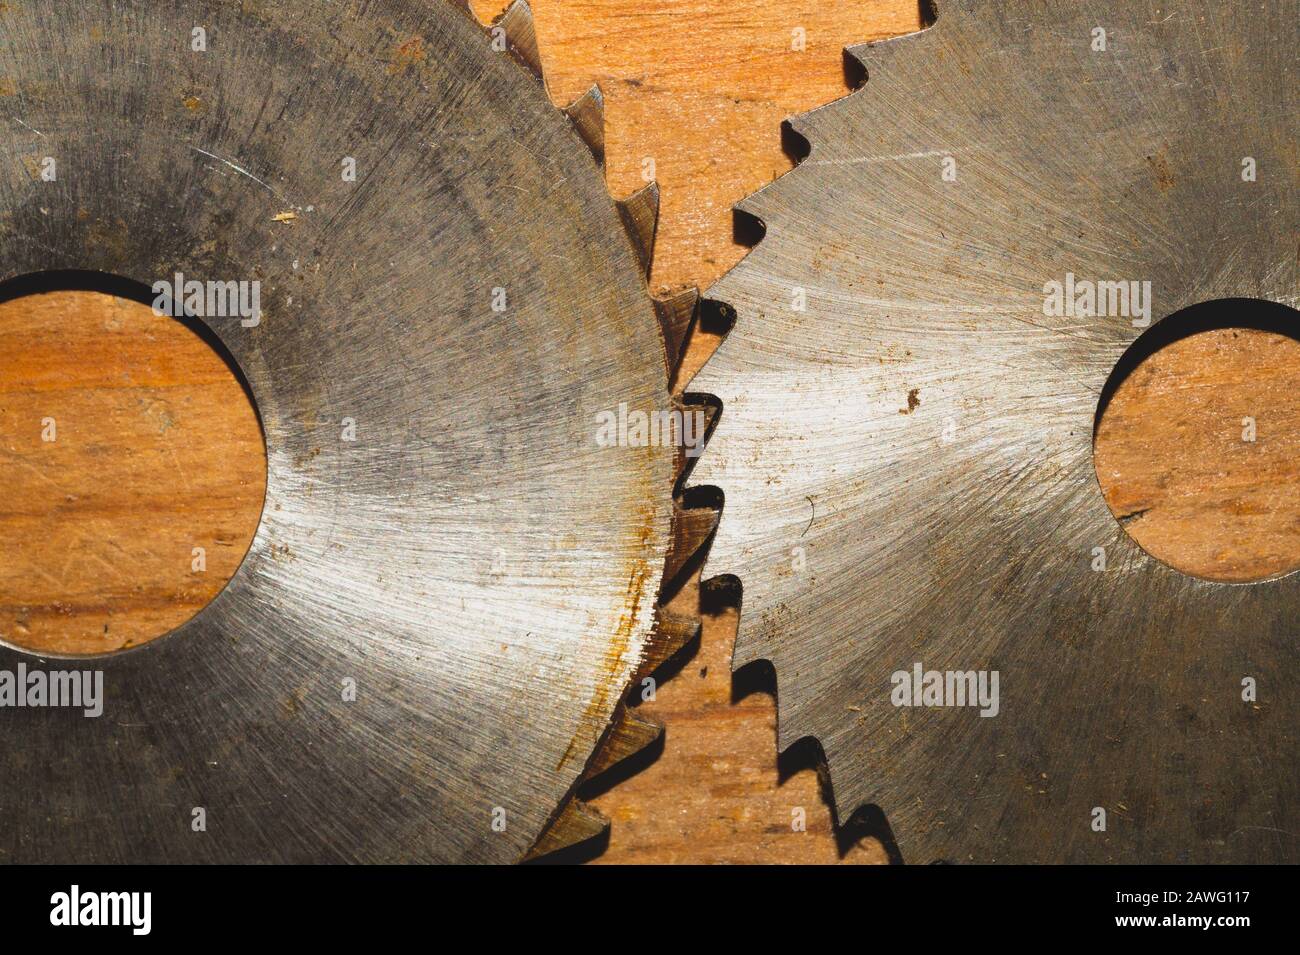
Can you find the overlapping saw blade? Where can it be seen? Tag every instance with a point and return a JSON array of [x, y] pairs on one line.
[[905, 443], [453, 582]]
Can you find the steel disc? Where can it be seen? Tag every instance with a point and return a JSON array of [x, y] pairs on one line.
[[906, 436], [481, 571]]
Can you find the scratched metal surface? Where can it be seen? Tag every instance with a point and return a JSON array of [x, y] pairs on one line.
[[473, 561], [922, 432]]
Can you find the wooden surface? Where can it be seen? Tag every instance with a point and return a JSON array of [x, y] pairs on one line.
[[155, 452], [158, 451], [1174, 458]]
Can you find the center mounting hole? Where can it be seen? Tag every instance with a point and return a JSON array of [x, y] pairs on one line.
[[134, 466], [1197, 441]]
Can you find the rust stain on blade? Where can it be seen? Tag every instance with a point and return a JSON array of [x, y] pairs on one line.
[[408, 54], [592, 722]]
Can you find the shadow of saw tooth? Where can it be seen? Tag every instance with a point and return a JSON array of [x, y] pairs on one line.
[[587, 113], [520, 34], [640, 212]]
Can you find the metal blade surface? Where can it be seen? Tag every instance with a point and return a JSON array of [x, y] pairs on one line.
[[441, 532], [906, 436]]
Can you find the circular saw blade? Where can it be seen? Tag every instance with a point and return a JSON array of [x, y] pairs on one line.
[[906, 437], [441, 532]]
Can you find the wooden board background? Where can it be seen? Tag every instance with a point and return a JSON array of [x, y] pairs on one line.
[[157, 449]]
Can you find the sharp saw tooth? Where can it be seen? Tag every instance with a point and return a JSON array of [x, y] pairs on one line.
[[876, 55], [640, 213], [754, 206], [676, 316], [521, 35], [588, 115], [692, 526], [672, 632], [576, 824], [627, 737], [692, 403]]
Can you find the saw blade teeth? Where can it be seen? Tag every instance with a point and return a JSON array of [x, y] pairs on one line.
[[587, 113], [760, 207], [709, 409], [673, 631], [888, 130], [692, 528], [640, 212], [874, 55], [693, 521], [577, 823], [521, 35], [677, 314], [629, 735]]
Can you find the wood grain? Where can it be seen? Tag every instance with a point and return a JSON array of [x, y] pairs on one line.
[[158, 449], [1199, 454], [126, 442]]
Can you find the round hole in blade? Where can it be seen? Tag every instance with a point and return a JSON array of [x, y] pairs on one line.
[[133, 459], [1197, 441]]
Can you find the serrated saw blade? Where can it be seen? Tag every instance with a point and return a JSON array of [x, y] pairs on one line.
[[906, 437], [452, 582]]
